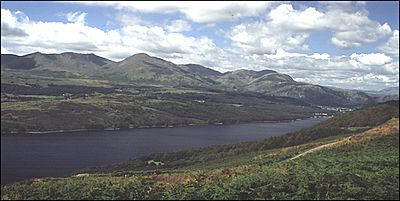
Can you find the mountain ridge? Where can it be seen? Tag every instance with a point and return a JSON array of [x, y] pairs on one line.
[[142, 68]]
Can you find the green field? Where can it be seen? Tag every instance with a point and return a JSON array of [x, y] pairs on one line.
[[36, 108]]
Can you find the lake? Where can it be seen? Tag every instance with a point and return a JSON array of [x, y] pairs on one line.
[[27, 156]]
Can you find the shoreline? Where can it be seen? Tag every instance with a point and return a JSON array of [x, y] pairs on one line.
[[158, 126], [312, 120]]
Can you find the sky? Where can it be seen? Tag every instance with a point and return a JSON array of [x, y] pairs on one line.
[[353, 45]]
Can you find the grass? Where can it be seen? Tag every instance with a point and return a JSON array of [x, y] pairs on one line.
[[124, 110]]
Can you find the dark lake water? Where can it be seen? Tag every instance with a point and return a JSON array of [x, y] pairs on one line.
[[59, 154]]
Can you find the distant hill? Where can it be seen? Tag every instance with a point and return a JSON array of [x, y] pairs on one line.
[[17, 62], [390, 91], [249, 79], [200, 70], [143, 69], [67, 63], [385, 91], [273, 83], [63, 60], [386, 94]]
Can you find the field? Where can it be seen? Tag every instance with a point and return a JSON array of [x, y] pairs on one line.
[[37, 108]]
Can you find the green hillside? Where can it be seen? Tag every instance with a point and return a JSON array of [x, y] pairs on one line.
[[361, 162], [142, 69], [343, 124], [33, 108]]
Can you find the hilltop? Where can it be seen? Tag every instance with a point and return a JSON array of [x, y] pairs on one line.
[[40, 92], [143, 69]]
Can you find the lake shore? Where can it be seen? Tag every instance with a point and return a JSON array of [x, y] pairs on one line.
[[156, 126], [57, 155]]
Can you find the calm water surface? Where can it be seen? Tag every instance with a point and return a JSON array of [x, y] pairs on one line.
[[59, 154]]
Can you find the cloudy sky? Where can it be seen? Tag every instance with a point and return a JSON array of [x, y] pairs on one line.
[[343, 44]]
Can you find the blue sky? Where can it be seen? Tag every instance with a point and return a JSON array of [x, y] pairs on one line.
[[343, 44]]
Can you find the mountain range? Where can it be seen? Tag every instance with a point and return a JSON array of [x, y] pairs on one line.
[[143, 69]]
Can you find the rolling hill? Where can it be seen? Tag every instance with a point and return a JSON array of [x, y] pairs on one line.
[[145, 69], [386, 94], [273, 83], [68, 61], [142, 69]]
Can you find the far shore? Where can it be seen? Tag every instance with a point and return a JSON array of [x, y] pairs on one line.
[[161, 126]]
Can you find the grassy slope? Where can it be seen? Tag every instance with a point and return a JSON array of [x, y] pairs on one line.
[[125, 109], [32, 101], [339, 125], [365, 167]]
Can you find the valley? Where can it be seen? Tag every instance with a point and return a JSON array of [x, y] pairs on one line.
[[40, 92], [241, 100]]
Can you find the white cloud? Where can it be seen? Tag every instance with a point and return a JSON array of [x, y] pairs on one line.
[[392, 45], [77, 17], [351, 25], [265, 38], [360, 35], [6, 51], [117, 44], [10, 23], [329, 70], [271, 43], [288, 29], [285, 17], [127, 18], [392, 68], [371, 59], [178, 26], [323, 56], [201, 12], [348, 20]]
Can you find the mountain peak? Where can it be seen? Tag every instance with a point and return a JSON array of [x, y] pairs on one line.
[[141, 55], [72, 53], [34, 54]]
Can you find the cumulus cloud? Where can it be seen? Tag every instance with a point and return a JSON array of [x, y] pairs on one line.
[[392, 45], [77, 17], [277, 42], [285, 17], [349, 21], [284, 28], [201, 12], [325, 69], [371, 59], [6, 51], [176, 46], [10, 23], [260, 38], [127, 18], [351, 25], [117, 44], [178, 26], [287, 28], [364, 33]]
